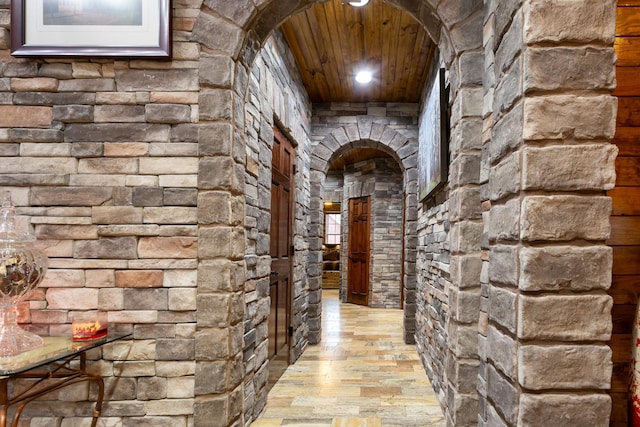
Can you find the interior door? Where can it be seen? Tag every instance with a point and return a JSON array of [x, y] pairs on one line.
[[281, 252], [359, 240]]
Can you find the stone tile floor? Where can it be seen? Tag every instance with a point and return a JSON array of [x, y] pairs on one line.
[[360, 375]]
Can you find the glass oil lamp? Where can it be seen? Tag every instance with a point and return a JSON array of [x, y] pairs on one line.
[[22, 268]]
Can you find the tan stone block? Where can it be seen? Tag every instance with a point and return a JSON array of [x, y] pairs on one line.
[[180, 387], [108, 166], [174, 97], [169, 407], [569, 117], [133, 350], [182, 299], [170, 215], [178, 181], [88, 263], [165, 166], [126, 149], [134, 369], [141, 181], [56, 248], [178, 149], [186, 51], [564, 409], [139, 279], [569, 168], [116, 98], [45, 150], [168, 247], [116, 215], [58, 278], [570, 21], [564, 218], [97, 180], [67, 232], [128, 230], [25, 116], [170, 263], [568, 367], [108, 70], [83, 70], [180, 278], [559, 268], [71, 198], [34, 84], [101, 278], [183, 24], [172, 369], [565, 317], [133, 316], [178, 230], [110, 299], [60, 220], [51, 165], [72, 299]]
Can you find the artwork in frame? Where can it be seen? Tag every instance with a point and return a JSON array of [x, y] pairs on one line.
[[91, 28], [433, 138]]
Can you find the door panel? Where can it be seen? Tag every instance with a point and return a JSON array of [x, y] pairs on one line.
[[280, 249], [359, 240]]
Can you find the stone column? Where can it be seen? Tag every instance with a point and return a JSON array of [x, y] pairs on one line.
[[221, 241], [549, 161]]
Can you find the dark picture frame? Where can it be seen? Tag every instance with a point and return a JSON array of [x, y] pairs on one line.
[[91, 28], [433, 138]]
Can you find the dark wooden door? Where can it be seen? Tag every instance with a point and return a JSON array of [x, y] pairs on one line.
[[358, 287], [281, 252]]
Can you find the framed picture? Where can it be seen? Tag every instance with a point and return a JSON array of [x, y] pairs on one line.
[[91, 28], [433, 138]]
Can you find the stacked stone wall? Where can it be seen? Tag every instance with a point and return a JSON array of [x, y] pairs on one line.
[[391, 128], [547, 162], [432, 299], [276, 98], [381, 180], [102, 158]]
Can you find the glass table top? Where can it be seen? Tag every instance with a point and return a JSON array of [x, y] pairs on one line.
[[54, 348]]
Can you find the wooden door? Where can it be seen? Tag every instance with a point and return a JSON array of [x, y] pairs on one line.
[[281, 252], [358, 273]]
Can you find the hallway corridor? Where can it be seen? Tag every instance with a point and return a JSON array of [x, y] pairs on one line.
[[361, 375]]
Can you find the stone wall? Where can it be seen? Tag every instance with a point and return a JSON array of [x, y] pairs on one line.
[[381, 180], [547, 160], [391, 128], [432, 299], [103, 160], [132, 174], [276, 98]]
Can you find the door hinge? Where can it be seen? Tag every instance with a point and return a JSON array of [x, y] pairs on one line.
[[290, 331], [295, 169]]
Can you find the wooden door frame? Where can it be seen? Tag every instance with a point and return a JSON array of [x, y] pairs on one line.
[[349, 249], [280, 136]]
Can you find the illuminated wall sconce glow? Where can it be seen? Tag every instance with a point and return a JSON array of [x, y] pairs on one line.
[[359, 3], [364, 77]]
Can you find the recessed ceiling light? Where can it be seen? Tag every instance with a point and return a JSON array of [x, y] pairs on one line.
[[364, 77], [359, 3]]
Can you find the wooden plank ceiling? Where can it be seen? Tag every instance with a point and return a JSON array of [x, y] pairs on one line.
[[331, 41]]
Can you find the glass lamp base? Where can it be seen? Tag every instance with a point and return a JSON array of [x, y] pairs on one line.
[[14, 339]]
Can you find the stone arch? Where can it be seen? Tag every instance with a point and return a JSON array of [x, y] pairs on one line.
[[402, 147], [231, 34]]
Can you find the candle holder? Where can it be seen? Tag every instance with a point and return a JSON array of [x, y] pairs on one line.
[[22, 268]]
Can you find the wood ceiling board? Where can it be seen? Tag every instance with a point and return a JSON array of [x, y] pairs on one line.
[[331, 40]]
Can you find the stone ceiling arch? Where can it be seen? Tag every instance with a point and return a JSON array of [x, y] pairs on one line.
[[242, 28], [346, 137]]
